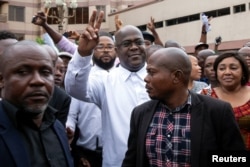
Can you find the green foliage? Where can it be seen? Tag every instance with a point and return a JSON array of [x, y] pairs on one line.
[[40, 41]]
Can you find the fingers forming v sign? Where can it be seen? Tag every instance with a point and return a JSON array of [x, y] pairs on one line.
[[89, 38]]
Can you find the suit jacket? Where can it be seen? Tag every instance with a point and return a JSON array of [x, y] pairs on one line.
[[12, 148], [213, 127], [60, 101]]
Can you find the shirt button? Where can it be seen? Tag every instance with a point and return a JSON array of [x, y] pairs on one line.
[[169, 135]]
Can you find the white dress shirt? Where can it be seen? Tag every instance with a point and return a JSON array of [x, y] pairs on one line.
[[87, 117], [116, 93]]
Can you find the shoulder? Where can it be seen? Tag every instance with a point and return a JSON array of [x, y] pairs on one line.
[[146, 106], [208, 101]]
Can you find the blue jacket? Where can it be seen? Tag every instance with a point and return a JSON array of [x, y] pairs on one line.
[[12, 149]]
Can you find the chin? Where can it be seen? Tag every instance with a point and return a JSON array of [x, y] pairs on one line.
[[35, 109]]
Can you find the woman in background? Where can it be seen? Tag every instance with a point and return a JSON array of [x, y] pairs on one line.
[[231, 72], [194, 85]]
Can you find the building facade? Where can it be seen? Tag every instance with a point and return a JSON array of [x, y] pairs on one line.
[[174, 19]]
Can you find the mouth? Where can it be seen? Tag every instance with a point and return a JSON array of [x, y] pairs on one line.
[[106, 58], [227, 79], [134, 55], [58, 80], [38, 96]]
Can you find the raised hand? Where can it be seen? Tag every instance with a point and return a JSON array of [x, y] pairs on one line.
[[39, 19], [73, 35], [89, 38], [151, 24], [118, 23]]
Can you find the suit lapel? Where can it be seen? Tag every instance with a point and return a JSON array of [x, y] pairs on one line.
[[197, 118], [13, 140]]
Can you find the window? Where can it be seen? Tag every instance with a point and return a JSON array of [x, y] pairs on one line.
[[218, 13], [81, 16], [159, 24], [171, 22], [239, 8], [52, 12], [101, 8], [184, 19], [16, 13]]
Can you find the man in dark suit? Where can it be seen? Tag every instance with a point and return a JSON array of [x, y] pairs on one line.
[[30, 134], [178, 127]]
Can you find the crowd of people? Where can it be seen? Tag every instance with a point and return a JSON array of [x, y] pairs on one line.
[[123, 100]]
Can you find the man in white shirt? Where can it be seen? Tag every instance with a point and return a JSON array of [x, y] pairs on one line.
[[85, 116], [116, 93]]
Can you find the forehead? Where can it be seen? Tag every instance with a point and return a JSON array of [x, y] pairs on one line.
[[229, 60], [105, 39], [210, 59], [130, 34], [22, 53], [193, 59]]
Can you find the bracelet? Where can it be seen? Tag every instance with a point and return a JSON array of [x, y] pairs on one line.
[[204, 32]]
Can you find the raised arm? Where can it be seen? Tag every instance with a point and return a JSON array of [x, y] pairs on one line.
[[62, 43], [77, 82], [118, 23], [151, 27], [89, 38], [40, 19]]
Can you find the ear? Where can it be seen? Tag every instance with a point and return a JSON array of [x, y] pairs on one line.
[[177, 76]]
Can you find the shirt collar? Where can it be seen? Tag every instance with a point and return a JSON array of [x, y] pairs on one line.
[[13, 112], [125, 74], [179, 108]]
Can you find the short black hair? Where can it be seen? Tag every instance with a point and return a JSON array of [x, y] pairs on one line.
[[242, 61], [7, 35], [146, 35], [105, 34]]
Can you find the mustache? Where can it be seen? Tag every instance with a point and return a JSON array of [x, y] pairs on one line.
[[38, 93]]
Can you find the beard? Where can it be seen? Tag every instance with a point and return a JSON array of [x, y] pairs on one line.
[[34, 111], [104, 65]]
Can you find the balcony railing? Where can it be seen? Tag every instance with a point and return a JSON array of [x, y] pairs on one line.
[[3, 17]]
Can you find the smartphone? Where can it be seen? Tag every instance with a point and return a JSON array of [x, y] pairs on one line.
[[33, 19]]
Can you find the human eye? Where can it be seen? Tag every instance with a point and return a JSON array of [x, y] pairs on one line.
[[46, 71], [234, 67], [99, 47], [208, 65], [150, 72], [110, 47], [126, 43], [22, 71], [139, 42]]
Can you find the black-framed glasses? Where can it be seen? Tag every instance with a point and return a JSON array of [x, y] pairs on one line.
[[102, 48], [129, 43]]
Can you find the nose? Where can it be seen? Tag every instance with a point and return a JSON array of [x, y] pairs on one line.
[[37, 79], [146, 79], [227, 71]]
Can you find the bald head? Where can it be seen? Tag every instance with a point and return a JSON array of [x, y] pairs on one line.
[[126, 30], [172, 43], [173, 59], [11, 51], [244, 50], [4, 43]]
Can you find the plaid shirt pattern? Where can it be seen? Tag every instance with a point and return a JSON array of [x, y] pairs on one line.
[[168, 137]]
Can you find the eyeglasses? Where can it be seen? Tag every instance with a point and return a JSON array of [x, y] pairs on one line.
[[129, 43], [101, 48]]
